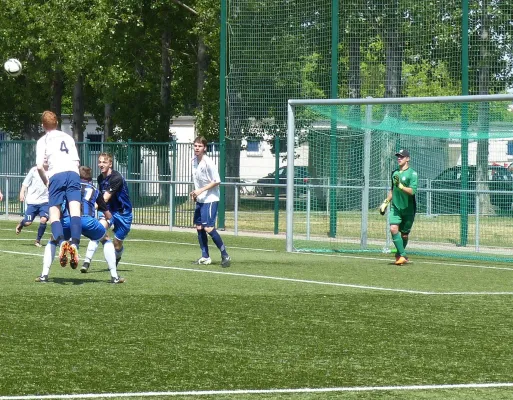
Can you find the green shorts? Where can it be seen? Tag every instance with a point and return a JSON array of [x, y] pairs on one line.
[[402, 219]]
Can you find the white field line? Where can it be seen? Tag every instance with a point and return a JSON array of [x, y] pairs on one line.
[[294, 280], [263, 391]]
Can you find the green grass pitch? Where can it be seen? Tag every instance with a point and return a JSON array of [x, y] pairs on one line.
[[272, 326]]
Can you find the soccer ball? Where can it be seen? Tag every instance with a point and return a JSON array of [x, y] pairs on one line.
[[13, 67], [510, 108]]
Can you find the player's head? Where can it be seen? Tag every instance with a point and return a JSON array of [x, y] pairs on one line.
[[200, 145], [85, 173], [105, 163], [49, 121], [403, 157]]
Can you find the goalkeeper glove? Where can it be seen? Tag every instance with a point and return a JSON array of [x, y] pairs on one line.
[[397, 182], [383, 207]]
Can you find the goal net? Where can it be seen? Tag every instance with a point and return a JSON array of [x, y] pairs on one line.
[[460, 146]]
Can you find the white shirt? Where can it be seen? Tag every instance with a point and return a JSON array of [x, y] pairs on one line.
[[37, 192], [204, 173], [60, 150]]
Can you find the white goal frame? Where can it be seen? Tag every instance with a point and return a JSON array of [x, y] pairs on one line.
[[292, 103]]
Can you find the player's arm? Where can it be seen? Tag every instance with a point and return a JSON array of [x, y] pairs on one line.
[[1, 196], [102, 206], [115, 184], [412, 189], [23, 191], [40, 160], [195, 193]]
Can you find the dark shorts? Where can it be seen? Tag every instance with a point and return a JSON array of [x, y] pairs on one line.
[[64, 186], [205, 214], [36, 209]]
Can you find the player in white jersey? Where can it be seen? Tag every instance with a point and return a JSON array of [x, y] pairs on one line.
[[63, 183], [35, 194], [206, 195]]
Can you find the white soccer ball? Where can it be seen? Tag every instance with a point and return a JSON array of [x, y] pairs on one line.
[[13, 67], [510, 108]]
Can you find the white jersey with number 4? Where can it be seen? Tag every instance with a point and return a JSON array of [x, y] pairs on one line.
[[60, 150]]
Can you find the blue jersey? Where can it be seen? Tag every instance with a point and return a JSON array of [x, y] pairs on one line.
[[89, 197], [116, 185]]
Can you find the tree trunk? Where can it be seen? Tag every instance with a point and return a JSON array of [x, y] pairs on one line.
[[57, 88], [203, 62], [164, 114], [78, 109], [108, 128]]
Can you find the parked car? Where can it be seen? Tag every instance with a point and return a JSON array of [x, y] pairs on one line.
[[499, 179], [301, 177]]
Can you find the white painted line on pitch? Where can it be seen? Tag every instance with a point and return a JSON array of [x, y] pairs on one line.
[[277, 278], [195, 244], [263, 391]]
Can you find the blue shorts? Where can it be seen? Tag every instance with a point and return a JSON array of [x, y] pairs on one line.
[[91, 227], [36, 209], [122, 224], [64, 186], [205, 214]]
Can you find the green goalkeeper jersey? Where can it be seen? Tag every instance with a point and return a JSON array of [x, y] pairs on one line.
[[401, 200]]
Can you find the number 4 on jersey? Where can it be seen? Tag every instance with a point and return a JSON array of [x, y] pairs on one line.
[[64, 148]]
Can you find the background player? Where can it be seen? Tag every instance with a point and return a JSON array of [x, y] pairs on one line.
[[115, 193], [91, 228], [35, 193], [404, 206], [206, 195], [59, 149]]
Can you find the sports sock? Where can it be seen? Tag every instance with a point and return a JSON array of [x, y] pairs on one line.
[[398, 242], [75, 228], [119, 253], [216, 237], [203, 242], [22, 223], [41, 230], [48, 257], [91, 248], [405, 242], [57, 231], [110, 256]]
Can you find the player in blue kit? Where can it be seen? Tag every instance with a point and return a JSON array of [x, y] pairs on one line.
[[63, 181], [115, 193], [91, 228]]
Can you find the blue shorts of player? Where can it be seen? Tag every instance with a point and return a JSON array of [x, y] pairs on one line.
[[64, 186], [91, 227], [36, 209], [122, 224], [205, 214]]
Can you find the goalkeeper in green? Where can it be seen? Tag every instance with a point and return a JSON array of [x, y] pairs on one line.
[[403, 207]]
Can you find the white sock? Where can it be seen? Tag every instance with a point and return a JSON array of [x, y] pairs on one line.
[[48, 257], [91, 248], [110, 256]]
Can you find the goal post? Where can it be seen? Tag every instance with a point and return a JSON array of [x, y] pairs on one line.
[[461, 147]]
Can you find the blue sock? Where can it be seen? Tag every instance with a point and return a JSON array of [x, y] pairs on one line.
[[76, 230], [57, 232], [41, 231], [22, 223], [216, 237], [203, 242]]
